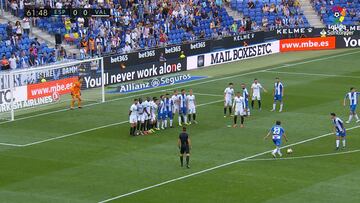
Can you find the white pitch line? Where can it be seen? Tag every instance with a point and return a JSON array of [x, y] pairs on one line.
[[189, 85], [211, 95], [85, 131], [307, 156], [214, 168], [313, 74]]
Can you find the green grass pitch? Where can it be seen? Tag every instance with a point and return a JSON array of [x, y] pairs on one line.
[[87, 155]]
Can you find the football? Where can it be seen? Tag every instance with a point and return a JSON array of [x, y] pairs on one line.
[[289, 151]]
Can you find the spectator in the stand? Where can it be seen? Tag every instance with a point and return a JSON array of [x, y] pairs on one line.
[[83, 46], [251, 4], [92, 46], [352, 13], [272, 8], [14, 7], [292, 21], [21, 8], [62, 53], [278, 22], [18, 29], [215, 34], [234, 27], [24, 60], [36, 42], [99, 49], [9, 30], [26, 26], [265, 8], [163, 39], [68, 25], [255, 26], [127, 48], [13, 61], [4, 63], [33, 54], [265, 21]]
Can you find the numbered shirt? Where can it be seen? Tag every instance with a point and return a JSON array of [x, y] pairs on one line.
[[191, 101], [279, 89], [339, 125], [353, 97], [133, 109], [256, 87], [161, 107], [175, 99], [239, 104], [182, 100], [277, 132], [153, 106], [140, 108], [168, 104], [146, 105], [229, 93]]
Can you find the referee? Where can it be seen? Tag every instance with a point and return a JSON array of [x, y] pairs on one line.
[[184, 145]]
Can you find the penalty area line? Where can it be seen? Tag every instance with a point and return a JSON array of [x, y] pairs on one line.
[[307, 156], [214, 168]]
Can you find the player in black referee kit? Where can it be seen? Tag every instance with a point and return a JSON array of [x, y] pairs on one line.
[[184, 145]]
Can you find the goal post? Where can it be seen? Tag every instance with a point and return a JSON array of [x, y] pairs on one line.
[[47, 88]]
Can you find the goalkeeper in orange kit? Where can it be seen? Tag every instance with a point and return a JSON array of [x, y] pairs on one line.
[[76, 93]]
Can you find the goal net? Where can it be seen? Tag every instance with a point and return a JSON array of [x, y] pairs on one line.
[[46, 89]]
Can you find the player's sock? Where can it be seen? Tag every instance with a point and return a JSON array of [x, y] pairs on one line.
[[274, 106], [242, 120], [131, 129], [180, 120], [189, 117], [350, 117], [79, 103], [259, 102], [185, 119], [165, 121], [142, 126], [72, 103], [279, 151], [158, 124], [337, 143], [356, 117], [235, 119], [138, 125], [281, 106], [194, 116], [224, 111], [145, 125], [171, 122], [163, 124], [230, 110], [248, 112], [252, 104], [187, 160], [344, 143], [181, 160]]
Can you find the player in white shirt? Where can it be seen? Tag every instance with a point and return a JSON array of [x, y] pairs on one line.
[[154, 109], [353, 97], [147, 115], [278, 94], [133, 117], [191, 106], [256, 88], [183, 108], [228, 98], [176, 107], [239, 108]]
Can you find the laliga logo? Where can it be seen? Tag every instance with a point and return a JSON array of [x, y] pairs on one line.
[[339, 14]]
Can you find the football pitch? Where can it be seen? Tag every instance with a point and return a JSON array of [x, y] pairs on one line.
[[56, 155]]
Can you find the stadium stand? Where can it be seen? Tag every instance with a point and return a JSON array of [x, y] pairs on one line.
[[327, 9], [271, 14]]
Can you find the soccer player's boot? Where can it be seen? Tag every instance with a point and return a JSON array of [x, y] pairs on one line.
[[231, 115], [358, 120], [188, 166], [162, 128], [337, 148], [180, 124], [347, 122], [343, 148], [157, 128], [242, 126], [273, 154], [280, 154], [234, 126], [80, 107], [189, 123], [195, 122], [224, 116], [280, 111], [272, 110]]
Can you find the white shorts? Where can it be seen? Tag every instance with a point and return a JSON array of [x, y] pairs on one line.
[[256, 97], [176, 109], [192, 110], [141, 117], [228, 102], [239, 113], [133, 119], [153, 117]]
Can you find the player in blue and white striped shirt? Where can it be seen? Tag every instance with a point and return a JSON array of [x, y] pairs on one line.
[[278, 94], [277, 132], [246, 96], [339, 130], [353, 100]]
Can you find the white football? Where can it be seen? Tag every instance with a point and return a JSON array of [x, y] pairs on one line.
[[289, 151]]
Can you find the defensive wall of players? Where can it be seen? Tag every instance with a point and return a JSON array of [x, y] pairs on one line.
[[127, 68]]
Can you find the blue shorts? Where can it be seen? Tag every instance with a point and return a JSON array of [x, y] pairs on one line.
[[341, 134], [277, 142], [162, 116], [170, 114], [353, 108], [277, 98], [183, 111]]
